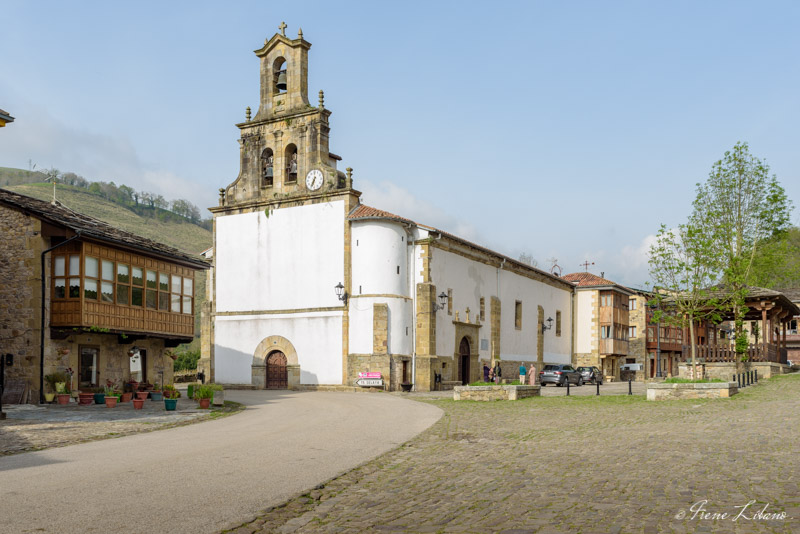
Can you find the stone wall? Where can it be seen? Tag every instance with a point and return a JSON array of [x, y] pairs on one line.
[[492, 393], [637, 346], [20, 287], [711, 390], [727, 370]]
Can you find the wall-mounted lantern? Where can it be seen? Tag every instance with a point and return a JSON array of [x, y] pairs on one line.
[[442, 302], [341, 293], [547, 326]]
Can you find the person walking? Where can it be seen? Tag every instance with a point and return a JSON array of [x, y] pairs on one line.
[[522, 373]]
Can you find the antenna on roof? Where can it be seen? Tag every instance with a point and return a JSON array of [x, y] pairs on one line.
[[586, 265]]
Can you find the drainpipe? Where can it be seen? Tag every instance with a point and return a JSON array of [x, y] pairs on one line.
[[41, 331]]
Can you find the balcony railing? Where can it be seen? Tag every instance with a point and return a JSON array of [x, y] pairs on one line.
[[755, 353]]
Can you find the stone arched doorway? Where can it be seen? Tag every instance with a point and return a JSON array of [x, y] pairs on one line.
[[277, 373], [274, 345], [463, 364]]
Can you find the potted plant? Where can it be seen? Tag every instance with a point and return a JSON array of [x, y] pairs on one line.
[[51, 380], [171, 397], [138, 404], [99, 395], [110, 398], [204, 394], [62, 393], [156, 394], [85, 398]]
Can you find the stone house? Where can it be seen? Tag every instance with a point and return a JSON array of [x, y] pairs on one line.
[[792, 333], [77, 293], [602, 323], [309, 287]]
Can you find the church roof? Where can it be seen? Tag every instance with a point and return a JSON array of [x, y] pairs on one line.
[[362, 212], [91, 228]]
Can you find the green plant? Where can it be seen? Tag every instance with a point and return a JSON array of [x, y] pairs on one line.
[[204, 392], [170, 392], [54, 378]]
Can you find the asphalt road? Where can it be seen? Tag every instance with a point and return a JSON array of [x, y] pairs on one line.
[[208, 476]]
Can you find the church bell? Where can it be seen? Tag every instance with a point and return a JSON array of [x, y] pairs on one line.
[[281, 85]]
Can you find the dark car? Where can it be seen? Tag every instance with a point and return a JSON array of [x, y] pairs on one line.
[[559, 375], [591, 374]]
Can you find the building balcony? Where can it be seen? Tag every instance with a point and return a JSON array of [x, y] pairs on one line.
[[616, 347]]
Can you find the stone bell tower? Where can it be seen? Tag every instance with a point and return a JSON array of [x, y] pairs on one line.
[[284, 149]]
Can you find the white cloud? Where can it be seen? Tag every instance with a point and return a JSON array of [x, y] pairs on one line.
[[48, 142]]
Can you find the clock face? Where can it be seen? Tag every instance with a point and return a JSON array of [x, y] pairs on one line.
[[314, 179]]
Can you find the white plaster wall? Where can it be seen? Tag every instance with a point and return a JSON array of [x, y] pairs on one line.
[[471, 280], [289, 260], [583, 326], [400, 321], [317, 338], [378, 249]]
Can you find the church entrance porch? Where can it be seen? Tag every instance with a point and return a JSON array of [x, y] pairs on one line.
[[277, 375], [464, 363]]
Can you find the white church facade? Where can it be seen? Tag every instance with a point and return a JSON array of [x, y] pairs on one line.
[[309, 287]]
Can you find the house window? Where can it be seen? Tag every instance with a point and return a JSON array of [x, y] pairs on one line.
[[188, 293], [123, 283], [137, 289], [605, 332], [558, 323], [67, 276], [518, 315], [91, 269], [175, 297], [151, 290], [632, 304], [631, 332], [163, 292], [483, 309], [107, 282]]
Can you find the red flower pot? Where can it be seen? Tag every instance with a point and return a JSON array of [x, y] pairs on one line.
[[126, 397], [63, 398], [85, 399], [141, 395], [205, 404], [138, 404], [111, 401]]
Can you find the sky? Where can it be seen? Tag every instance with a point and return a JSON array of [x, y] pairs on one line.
[[566, 130]]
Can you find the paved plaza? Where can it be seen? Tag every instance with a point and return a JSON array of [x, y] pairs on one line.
[[614, 464]]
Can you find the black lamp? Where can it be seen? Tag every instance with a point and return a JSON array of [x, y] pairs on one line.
[[442, 302], [341, 293], [547, 326]]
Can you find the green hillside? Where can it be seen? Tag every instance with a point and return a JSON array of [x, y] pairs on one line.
[[184, 236]]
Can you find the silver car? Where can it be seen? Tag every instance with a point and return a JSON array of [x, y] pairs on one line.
[[591, 375], [559, 375]]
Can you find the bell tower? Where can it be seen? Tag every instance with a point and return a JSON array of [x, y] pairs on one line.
[[284, 153]]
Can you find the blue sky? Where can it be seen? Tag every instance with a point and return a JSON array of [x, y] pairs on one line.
[[560, 129]]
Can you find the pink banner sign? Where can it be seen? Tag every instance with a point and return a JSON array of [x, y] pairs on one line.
[[369, 375]]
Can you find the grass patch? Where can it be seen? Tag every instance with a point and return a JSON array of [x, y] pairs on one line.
[[481, 383], [676, 380]]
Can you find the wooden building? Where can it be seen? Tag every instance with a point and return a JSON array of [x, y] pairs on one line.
[[78, 294]]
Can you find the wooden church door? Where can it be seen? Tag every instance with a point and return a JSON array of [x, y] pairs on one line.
[[277, 376], [463, 350]]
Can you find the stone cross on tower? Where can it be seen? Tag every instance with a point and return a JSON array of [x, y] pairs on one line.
[[282, 28]]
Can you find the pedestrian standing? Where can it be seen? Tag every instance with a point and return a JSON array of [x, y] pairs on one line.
[[485, 372], [498, 372], [532, 375], [522, 372]]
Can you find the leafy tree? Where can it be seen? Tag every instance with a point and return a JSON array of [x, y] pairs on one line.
[[776, 263], [683, 266], [738, 208]]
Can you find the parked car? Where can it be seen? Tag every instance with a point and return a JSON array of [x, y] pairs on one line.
[[591, 374], [559, 375]]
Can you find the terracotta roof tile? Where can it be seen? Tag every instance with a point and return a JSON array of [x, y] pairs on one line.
[[588, 280]]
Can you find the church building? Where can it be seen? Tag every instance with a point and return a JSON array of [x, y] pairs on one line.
[[310, 287]]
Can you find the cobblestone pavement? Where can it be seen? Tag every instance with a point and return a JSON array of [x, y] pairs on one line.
[[30, 427], [614, 464]]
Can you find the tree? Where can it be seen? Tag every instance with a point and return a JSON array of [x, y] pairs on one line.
[[776, 263], [738, 207], [528, 259], [683, 267]]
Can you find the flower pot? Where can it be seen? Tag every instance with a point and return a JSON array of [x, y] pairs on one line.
[[156, 395], [63, 398], [99, 398], [111, 401], [49, 397], [205, 404], [126, 397], [406, 386], [141, 395], [85, 399], [170, 404], [138, 404], [134, 385]]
